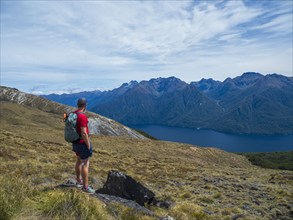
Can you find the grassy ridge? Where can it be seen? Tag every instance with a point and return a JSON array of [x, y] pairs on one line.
[[273, 160], [204, 183], [146, 134]]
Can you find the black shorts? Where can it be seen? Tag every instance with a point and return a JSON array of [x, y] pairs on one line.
[[82, 151]]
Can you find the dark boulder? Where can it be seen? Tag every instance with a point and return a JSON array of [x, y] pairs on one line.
[[121, 185]]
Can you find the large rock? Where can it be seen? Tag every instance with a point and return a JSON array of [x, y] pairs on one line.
[[108, 199], [121, 185]]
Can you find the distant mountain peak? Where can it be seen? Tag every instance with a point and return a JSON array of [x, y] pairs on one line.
[[205, 85], [129, 85], [251, 74], [247, 79], [276, 75], [276, 81], [159, 86], [165, 79], [207, 80], [173, 78]]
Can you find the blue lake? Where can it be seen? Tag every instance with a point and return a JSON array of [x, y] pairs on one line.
[[227, 142]]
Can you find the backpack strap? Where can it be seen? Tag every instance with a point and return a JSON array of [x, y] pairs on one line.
[[78, 113]]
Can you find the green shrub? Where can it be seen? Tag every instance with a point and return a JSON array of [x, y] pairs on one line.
[[273, 160]]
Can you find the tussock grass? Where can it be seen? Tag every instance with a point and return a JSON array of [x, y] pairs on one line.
[[130, 214], [187, 211], [204, 183], [13, 192], [70, 204]]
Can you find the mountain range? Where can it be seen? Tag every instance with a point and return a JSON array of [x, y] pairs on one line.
[[251, 103], [198, 182]]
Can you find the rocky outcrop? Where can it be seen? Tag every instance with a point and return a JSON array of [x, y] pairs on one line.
[[123, 189], [121, 185], [97, 123], [108, 199]]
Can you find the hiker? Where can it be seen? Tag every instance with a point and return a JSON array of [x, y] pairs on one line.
[[82, 147]]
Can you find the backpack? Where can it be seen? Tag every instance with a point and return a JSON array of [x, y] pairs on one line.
[[70, 132]]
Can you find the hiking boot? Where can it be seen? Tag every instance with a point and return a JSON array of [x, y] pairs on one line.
[[88, 190], [79, 184], [73, 183]]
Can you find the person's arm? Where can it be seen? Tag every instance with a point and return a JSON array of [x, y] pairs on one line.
[[85, 137]]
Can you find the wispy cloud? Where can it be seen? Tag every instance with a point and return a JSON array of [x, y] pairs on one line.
[[93, 42]]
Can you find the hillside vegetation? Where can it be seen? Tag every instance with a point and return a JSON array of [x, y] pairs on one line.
[[273, 160], [203, 183]]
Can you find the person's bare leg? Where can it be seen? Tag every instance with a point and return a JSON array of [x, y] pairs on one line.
[[78, 168], [85, 172]]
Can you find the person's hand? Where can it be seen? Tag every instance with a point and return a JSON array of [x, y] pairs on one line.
[[90, 151]]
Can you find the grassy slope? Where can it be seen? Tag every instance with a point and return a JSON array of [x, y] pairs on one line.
[[204, 182]]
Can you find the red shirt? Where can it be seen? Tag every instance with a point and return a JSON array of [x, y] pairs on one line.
[[82, 121]]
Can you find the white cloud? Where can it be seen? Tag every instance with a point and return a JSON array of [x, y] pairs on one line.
[[278, 25], [96, 40]]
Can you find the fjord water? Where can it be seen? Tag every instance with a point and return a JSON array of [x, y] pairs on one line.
[[227, 142]]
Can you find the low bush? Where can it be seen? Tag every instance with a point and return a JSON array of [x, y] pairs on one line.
[[273, 160]]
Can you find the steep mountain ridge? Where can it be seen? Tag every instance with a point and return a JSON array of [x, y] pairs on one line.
[[183, 108], [160, 86], [162, 101], [262, 104], [97, 124], [206, 85], [247, 79], [251, 103]]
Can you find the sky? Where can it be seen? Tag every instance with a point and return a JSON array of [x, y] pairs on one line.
[[71, 46]]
